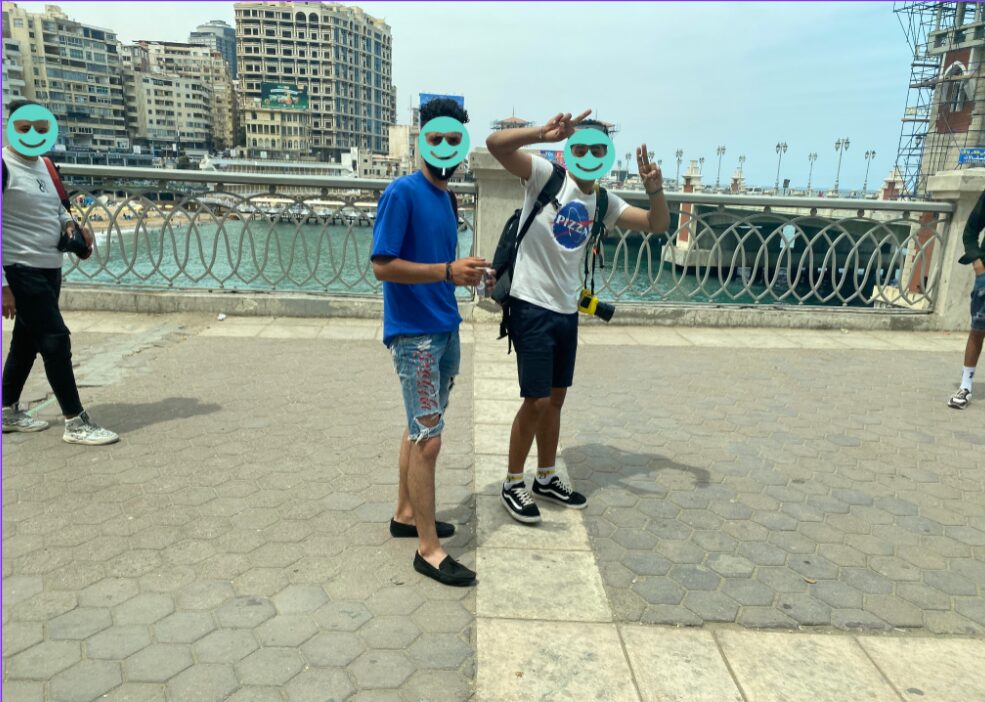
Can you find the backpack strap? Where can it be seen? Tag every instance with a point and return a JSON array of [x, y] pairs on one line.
[[56, 178], [547, 194], [454, 205]]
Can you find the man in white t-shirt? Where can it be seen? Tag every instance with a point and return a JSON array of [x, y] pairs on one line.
[[546, 283]]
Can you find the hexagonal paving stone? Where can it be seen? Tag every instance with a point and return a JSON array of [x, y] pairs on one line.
[[386, 669], [442, 617], [297, 599], [269, 666], [118, 642], [748, 592], [43, 661], [439, 651], [712, 606], [203, 683], [332, 649], [205, 594], [23, 691], [730, 566], [394, 600], [857, 620], [145, 608], [923, 596], [893, 610], [343, 616], [319, 685], [695, 577], [80, 623], [659, 590], [286, 630], [158, 663], [85, 681], [813, 566], [225, 646], [183, 627], [676, 615], [763, 554], [866, 580], [389, 632], [108, 593], [245, 612], [837, 594], [805, 609], [20, 636]]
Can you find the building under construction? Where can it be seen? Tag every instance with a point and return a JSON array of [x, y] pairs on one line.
[[944, 120]]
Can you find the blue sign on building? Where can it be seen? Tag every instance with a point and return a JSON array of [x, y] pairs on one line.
[[972, 155]]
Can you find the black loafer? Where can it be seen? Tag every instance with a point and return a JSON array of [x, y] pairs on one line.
[[450, 572], [409, 531]]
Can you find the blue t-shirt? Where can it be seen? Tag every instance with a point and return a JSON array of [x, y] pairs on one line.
[[415, 222]]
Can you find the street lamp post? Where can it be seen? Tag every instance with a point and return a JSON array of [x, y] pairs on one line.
[[701, 165], [742, 160], [841, 146], [720, 151], [869, 155], [812, 157], [629, 160], [680, 156], [781, 148]]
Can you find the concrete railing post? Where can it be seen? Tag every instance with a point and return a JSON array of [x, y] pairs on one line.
[[963, 188], [498, 193]]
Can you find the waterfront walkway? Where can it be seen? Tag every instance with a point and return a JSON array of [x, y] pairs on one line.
[[774, 516]]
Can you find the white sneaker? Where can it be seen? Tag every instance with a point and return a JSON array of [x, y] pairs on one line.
[[960, 399], [17, 419], [82, 430]]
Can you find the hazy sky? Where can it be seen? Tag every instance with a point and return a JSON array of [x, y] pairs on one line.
[[675, 75]]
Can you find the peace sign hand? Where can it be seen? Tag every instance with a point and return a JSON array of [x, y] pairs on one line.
[[650, 174], [561, 126]]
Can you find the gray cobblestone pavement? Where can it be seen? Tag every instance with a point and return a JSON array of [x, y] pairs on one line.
[[234, 545], [781, 488]]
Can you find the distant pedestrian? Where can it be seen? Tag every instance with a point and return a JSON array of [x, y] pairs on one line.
[[34, 221], [974, 253], [414, 244]]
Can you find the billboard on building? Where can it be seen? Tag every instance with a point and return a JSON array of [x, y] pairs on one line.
[[425, 98], [283, 96]]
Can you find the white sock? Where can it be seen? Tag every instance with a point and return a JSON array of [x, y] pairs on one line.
[[967, 376], [544, 475], [512, 480]]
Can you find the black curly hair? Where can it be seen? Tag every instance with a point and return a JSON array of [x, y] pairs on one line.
[[443, 107]]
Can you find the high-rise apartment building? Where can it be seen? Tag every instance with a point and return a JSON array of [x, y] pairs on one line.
[[13, 73], [179, 94], [220, 36], [336, 56], [74, 69]]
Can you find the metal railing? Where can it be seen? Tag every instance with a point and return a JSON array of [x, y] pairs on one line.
[[242, 231], [764, 250], [234, 231]]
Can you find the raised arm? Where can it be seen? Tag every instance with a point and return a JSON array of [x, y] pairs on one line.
[[657, 218], [505, 144]]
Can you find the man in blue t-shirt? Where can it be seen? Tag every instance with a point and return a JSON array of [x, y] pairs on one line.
[[414, 244]]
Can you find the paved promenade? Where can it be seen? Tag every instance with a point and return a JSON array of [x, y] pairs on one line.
[[774, 515]]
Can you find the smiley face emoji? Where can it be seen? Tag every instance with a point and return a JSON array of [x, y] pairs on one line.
[[443, 142], [589, 153], [32, 130]]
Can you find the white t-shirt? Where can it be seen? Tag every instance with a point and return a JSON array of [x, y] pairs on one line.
[[550, 264], [33, 215]]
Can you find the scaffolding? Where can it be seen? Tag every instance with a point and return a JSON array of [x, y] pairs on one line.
[[930, 138]]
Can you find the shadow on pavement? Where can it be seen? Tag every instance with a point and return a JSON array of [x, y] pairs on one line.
[[129, 416], [596, 466]]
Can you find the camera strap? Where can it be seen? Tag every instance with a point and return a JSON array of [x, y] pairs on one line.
[[56, 179], [594, 248]]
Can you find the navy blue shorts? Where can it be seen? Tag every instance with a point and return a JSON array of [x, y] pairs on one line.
[[546, 343]]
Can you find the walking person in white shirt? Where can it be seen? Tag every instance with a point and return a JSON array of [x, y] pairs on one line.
[[34, 221]]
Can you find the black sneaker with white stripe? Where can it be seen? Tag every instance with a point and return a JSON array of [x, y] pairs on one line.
[[559, 491], [520, 504]]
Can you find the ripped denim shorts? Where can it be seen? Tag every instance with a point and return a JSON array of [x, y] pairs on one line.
[[427, 366]]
